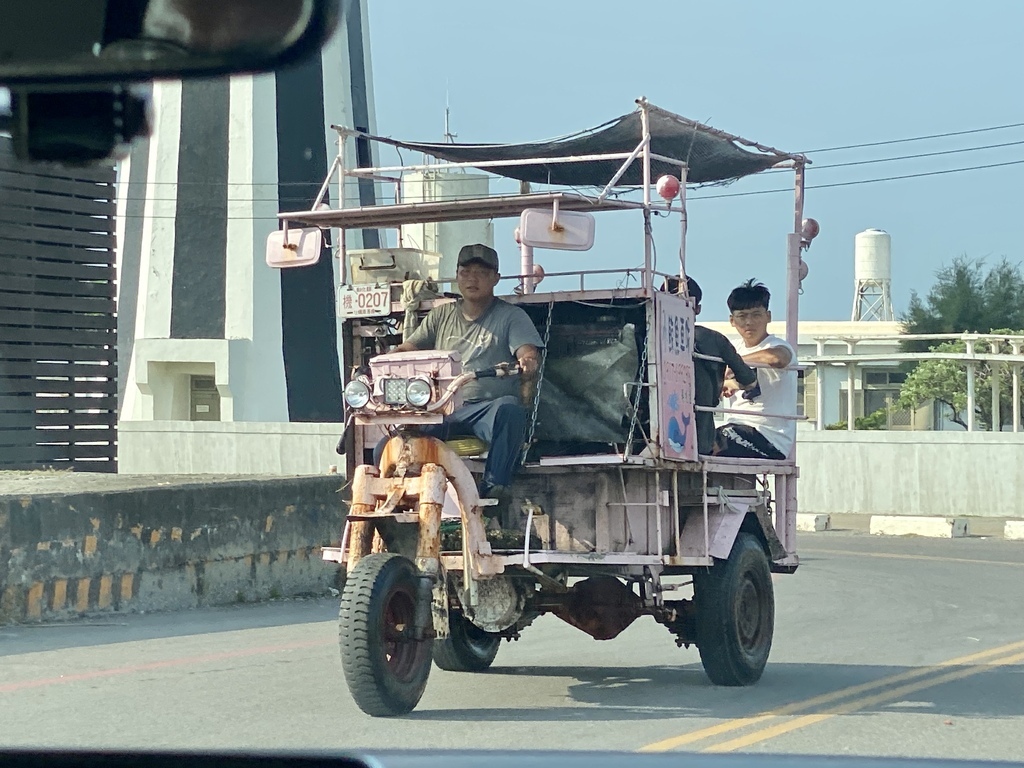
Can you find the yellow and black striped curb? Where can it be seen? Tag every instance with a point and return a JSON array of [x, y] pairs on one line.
[[254, 577], [169, 547]]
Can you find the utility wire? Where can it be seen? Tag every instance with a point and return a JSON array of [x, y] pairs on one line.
[[737, 194], [914, 138], [903, 157], [315, 184], [861, 181]]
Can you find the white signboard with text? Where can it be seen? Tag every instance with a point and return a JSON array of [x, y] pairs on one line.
[[364, 300]]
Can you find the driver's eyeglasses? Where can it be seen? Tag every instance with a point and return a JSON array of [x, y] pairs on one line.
[[479, 273], [744, 316]]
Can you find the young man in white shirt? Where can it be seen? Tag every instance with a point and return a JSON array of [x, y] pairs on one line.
[[751, 435]]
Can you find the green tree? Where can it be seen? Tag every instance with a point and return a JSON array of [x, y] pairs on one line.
[[967, 298], [946, 382]]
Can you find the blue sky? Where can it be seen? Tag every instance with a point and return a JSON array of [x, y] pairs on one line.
[[795, 74]]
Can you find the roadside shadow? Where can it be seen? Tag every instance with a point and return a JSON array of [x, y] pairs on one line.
[[106, 629], [685, 692]]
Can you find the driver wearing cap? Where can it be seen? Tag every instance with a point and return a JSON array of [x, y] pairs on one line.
[[486, 331]]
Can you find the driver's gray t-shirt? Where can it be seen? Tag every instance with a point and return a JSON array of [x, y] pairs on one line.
[[491, 339]]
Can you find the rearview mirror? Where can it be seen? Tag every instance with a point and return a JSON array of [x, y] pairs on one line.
[[568, 231], [59, 43], [296, 248]]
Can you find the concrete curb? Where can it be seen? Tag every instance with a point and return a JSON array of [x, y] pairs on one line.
[[810, 523], [913, 525], [933, 527]]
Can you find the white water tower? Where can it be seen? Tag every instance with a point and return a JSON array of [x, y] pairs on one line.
[[448, 237], [872, 274]]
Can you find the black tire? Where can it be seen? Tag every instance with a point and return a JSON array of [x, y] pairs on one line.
[[736, 614], [386, 670], [467, 647]]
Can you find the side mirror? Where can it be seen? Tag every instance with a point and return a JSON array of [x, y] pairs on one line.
[[570, 231], [303, 248], [56, 43]]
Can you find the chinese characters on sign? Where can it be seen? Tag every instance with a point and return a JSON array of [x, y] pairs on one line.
[[677, 428], [364, 300]]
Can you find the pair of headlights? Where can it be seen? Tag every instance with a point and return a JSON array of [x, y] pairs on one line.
[[414, 392]]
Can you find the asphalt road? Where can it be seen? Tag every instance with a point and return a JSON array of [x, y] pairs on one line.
[[904, 647]]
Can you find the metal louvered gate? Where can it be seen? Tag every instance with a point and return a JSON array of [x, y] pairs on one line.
[[58, 338]]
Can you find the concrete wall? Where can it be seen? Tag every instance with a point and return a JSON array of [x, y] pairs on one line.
[[876, 472], [912, 473], [241, 447], [164, 547]]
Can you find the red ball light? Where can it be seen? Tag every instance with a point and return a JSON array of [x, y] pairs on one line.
[[668, 187]]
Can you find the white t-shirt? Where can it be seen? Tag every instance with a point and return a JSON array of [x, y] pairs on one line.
[[778, 395]]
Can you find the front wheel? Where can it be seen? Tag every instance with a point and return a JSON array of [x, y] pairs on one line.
[[467, 647], [736, 614], [385, 667]]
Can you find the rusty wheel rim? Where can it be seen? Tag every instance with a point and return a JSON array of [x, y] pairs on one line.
[[401, 651], [750, 618]]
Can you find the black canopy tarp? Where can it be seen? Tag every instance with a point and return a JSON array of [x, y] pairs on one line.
[[711, 155]]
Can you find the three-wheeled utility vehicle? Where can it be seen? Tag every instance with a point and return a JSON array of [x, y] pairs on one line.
[[614, 514]]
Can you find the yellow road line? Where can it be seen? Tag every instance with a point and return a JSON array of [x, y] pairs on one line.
[[826, 698], [857, 704], [896, 556]]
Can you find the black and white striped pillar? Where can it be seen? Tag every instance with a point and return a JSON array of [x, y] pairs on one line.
[[196, 203]]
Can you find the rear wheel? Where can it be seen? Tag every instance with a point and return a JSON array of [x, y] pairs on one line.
[[467, 647], [736, 614], [385, 667]]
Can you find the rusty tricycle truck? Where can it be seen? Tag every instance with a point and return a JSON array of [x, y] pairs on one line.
[[613, 513]]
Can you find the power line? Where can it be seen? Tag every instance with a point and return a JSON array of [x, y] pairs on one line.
[[357, 200], [861, 181], [914, 138], [904, 157], [817, 151], [735, 194]]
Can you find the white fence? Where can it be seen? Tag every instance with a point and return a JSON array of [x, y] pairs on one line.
[[980, 349], [876, 472]]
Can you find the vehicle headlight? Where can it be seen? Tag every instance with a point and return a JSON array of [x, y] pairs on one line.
[[357, 394], [418, 392], [394, 391]]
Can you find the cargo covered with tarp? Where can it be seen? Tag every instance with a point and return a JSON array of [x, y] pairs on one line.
[[588, 391]]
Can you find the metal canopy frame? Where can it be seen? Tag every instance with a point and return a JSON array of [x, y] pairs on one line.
[[494, 207], [506, 206]]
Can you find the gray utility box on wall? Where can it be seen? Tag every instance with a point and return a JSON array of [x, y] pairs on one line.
[[204, 401]]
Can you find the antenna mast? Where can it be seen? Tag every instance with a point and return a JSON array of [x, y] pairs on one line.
[[448, 135]]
